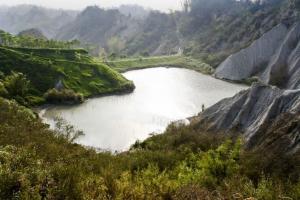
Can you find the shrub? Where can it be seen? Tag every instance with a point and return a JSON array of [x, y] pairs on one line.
[[63, 96], [212, 167], [3, 91], [16, 84], [66, 131], [21, 174], [149, 183]]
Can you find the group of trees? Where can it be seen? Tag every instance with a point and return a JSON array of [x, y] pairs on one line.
[[6, 39], [63, 96], [204, 11]]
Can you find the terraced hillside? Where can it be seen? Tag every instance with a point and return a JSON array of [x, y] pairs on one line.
[[72, 69]]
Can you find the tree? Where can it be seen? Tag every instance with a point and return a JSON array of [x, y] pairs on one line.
[[115, 45], [205, 10], [16, 85], [3, 91], [186, 5]]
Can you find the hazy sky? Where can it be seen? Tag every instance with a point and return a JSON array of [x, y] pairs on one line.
[[80, 4]]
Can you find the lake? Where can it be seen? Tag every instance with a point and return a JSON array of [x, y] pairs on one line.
[[162, 95]]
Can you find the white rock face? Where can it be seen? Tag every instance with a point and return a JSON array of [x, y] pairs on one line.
[[260, 112], [285, 58], [248, 111], [251, 60], [274, 58]]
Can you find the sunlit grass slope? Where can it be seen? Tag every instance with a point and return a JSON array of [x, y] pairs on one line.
[[74, 68]]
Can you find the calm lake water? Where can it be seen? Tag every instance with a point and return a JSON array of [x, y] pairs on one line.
[[162, 95]]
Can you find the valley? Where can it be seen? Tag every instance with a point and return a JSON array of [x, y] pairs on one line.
[[127, 103]]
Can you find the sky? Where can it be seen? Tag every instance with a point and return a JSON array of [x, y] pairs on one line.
[[163, 5]]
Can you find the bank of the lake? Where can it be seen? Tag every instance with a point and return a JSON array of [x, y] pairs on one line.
[[178, 61], [162, 95]]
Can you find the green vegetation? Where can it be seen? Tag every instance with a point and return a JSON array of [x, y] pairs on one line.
[[44, 68], [123, 65], [183, 164], [6, 39], [63, 96], [15, 86]]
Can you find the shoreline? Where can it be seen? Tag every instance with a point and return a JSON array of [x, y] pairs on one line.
[[184, 121]]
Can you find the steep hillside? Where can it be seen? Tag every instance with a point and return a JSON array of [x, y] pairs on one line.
[[267, 114], [214, 31], [157, 35], [256, 113], [273, 58], [74, 69]]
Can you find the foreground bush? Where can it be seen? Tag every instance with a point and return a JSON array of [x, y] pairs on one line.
[[182, 164]]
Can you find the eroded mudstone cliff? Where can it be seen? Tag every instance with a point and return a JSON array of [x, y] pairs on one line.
[[251, 60], [252, 112], [274, 59], [267, 116]]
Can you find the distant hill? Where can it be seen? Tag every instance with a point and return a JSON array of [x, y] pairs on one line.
[[130, 26], [210, 31], [94, 25], [157, 34], [49, 21], [121, 32]]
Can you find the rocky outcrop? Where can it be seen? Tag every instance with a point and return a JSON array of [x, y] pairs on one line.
[[274, 59], [251, 111], [280, 136], [268, 117]]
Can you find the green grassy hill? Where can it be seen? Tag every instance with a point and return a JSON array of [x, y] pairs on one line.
[[74, 68]]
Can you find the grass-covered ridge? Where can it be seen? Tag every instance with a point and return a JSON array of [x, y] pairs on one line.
[[77, 71], [123, 65]]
